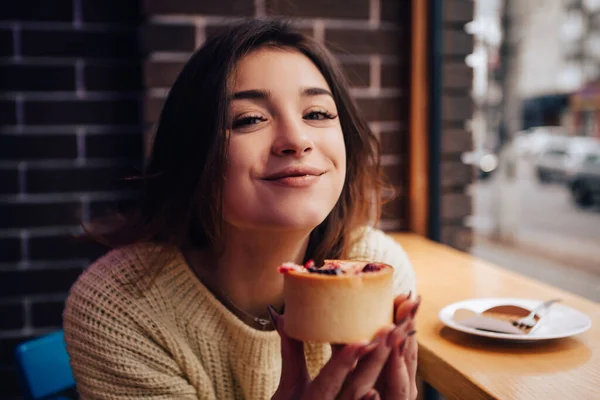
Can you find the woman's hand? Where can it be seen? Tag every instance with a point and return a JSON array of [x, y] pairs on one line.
[[353, 371], [398, 379]]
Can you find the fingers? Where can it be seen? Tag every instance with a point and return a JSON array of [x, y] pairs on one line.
[[410, 360], [293, 364], [402, 298], [398, 384], [364, 376], [328, 383], [405, 309]]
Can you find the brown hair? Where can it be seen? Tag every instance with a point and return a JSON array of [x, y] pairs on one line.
[[182, 187]]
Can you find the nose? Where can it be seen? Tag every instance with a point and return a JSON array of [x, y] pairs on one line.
[[292, 139]]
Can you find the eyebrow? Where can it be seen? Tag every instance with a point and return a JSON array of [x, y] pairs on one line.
[[263, 94]]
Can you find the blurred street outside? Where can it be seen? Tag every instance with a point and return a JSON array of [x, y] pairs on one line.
[[555, 241]]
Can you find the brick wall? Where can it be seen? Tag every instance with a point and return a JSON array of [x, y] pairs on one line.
[[70, 120], [371, 39], [457, 108]]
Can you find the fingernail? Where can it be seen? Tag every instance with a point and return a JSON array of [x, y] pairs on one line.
[[274, 316], [413, 312]]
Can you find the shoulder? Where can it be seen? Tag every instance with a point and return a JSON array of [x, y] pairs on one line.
[[113, 282], [375, 245], [122, 267]]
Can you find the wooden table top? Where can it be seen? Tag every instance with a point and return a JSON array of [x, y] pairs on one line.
[[462, 366]]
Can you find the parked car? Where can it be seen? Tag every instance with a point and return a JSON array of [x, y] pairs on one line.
[[531, 143], [584, 181], [563, 154]]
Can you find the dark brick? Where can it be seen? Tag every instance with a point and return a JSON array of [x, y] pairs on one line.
[[37, 281], [152, 109], [129, 146], [6, 42], [455, 173], [36, 215], [111, 10], [18, 147], [395, 75], [460, 11], [383, 109], [394, 209], [80, 43], [63, 248], [395, 10], [457, 76], [36, 78], [113, 77], [457, 42], [455, 206], [161, 74], [360, 41], [394, 142], [37, 10], [359, 75], [320, 8], [10, 250], [456, 141], [221, 7], [100, 112], [170, 38], [212, 30], [456, 108], [8, 112], [83, 179], [9, 384], [395, 174], [9, 178], [47, 314], [459, 237], [12, 316]]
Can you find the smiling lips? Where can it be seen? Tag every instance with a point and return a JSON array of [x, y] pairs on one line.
[[296, 176]]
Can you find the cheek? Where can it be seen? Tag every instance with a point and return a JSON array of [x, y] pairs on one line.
[[238, 190]]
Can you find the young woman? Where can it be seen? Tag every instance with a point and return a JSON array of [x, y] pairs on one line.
[[260, 157]]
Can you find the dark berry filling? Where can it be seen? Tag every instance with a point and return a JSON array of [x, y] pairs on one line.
[[372, 267], [325, 271]]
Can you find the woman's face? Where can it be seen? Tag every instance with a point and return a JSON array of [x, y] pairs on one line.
[[286, 158]]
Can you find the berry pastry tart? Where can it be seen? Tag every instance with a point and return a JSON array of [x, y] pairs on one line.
[[340, 302]]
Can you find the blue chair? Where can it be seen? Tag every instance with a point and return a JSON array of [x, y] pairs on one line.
[[43, 365]]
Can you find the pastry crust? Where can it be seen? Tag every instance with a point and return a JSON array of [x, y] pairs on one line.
[[343, 308]]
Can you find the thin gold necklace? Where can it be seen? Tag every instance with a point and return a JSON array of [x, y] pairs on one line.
[[263, 322]]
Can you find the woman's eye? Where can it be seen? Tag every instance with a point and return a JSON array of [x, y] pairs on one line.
[[245, 121], [319, 115]]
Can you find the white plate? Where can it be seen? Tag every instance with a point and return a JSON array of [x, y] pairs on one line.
[[560, 321]]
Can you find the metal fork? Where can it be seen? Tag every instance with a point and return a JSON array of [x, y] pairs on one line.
[[529, 321]]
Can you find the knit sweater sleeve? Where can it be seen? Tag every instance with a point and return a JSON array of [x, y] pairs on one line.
[[116, 350], [375, 245]]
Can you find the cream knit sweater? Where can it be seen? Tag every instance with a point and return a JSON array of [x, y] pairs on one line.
[[175, 340]]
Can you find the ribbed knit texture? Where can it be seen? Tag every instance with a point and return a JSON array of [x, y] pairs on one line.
[[174, 339]]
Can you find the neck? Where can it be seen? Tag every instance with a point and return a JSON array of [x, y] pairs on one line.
[[246, 273]]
